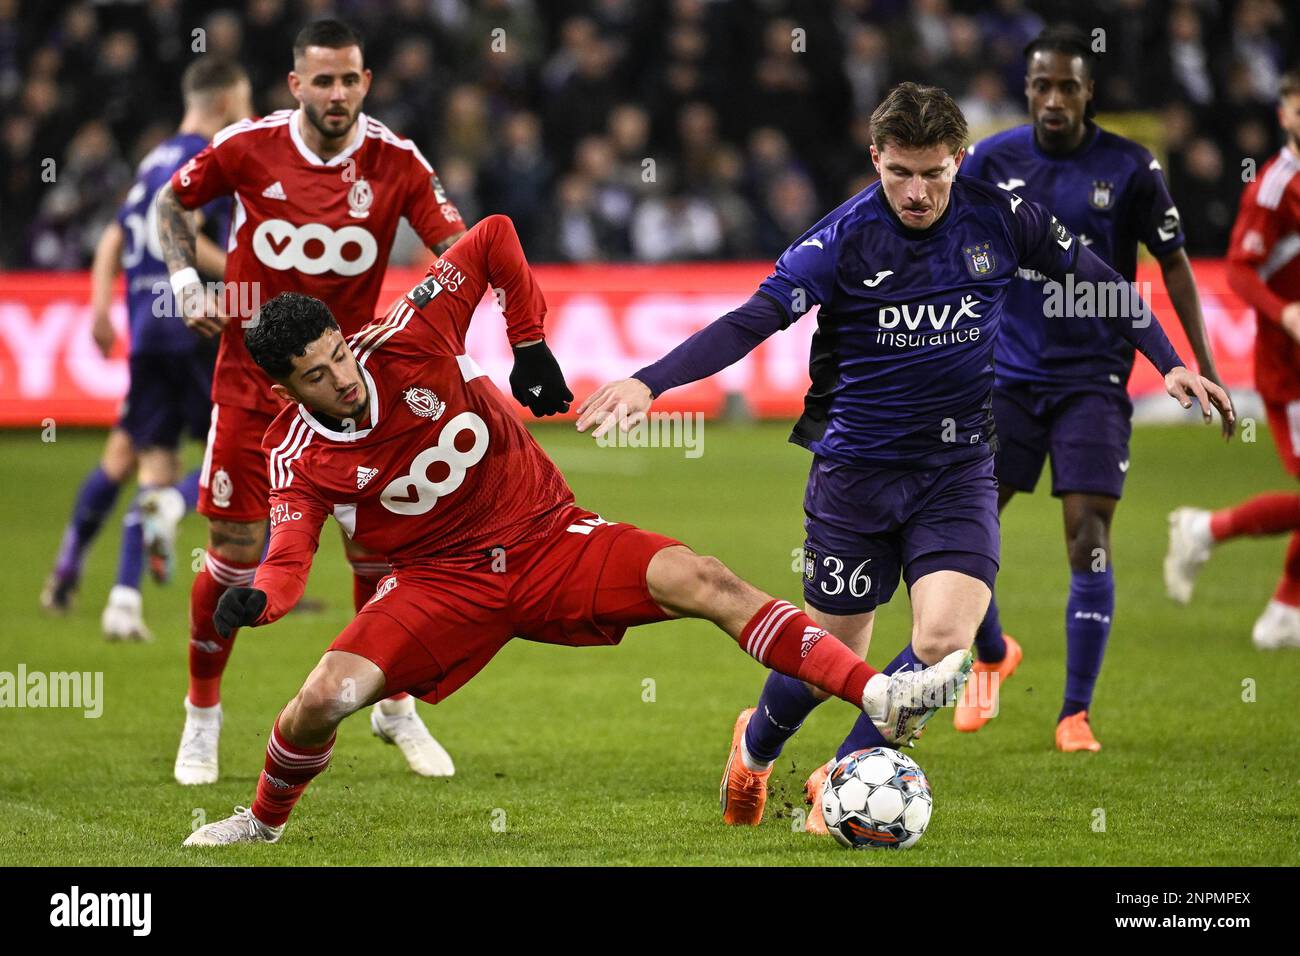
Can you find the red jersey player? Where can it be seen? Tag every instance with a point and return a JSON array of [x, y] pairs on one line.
[[318, 195], [1264, 269], [485, 539]]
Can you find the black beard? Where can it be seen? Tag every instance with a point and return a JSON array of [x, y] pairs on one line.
[[318, 120]]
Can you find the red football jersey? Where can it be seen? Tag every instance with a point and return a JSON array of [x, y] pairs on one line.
[[1265, 255], [304, 225], [443, 467]]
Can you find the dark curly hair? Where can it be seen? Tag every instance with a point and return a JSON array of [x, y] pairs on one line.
[[283, 328]]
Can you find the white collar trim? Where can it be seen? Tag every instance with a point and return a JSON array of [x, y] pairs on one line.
[[359, 433], [358, 138]]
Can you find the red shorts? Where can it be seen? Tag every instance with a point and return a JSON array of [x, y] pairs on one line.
[[234, 484], [431, 627], [1284, 423]]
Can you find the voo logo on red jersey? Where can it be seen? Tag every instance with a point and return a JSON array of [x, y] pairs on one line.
[[314, 249], [414, 493]]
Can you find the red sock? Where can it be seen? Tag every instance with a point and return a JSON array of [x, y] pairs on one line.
[[784, 638], [288, 770], [1271, 513], [1288, 589], [366, 576], [209, 651]]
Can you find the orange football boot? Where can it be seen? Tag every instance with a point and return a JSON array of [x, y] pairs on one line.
[[743, 792], [979, 698], [812, 795], [1074, 733]]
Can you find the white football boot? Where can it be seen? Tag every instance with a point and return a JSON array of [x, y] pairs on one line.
[[396, 722], [196, 760], [901, 703], [1190, 543], [161, 511], [243, 827], [123, 617], [1277, 627]]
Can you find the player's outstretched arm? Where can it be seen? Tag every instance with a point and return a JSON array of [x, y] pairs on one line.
[[719, 344], [1176, 269]]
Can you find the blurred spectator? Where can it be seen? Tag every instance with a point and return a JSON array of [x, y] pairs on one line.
[[613, 129]]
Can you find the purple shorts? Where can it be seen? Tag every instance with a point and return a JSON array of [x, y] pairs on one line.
[[169, 395], [867, 526], [1086, 433]]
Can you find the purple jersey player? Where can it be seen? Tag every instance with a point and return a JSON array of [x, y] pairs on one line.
[[1060, 386], [170, 367], [911, 276]]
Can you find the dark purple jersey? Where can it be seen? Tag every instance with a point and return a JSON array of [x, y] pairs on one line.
[[902, 360], [156, 325], [1110, 193]]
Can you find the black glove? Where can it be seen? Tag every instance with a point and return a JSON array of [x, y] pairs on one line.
[[238, 607], [537, 382]]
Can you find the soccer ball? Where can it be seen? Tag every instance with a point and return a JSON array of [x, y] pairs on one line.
[[876, 798]]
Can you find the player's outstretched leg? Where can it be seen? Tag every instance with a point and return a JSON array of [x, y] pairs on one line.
[[299, 748], [782, 637]]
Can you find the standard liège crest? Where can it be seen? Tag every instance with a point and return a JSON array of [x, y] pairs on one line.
[[360, 198], [424, 402], [222, 488], [979, 259], [1102, 195]]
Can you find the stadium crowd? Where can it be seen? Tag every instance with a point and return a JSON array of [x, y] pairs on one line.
[[614, 130]]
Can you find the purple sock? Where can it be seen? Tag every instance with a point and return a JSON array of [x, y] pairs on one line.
[[782, 708], [95, 499], [990, 647], [1087, 628], [130, 560], [864, 734], [189, 489]]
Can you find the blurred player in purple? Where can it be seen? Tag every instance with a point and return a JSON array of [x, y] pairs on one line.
[[1060, 386], [170, 366], [912, 277]]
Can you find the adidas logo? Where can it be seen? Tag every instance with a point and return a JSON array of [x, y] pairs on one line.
[[364, 475], [811, 635], [274, 191], [536, 390]]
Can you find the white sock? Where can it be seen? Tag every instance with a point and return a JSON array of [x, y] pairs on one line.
[[397, 708], [752, 765], [203, 713]]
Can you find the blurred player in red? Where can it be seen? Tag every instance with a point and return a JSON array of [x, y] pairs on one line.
[[401, 436], [318, 195], [1264, 269]]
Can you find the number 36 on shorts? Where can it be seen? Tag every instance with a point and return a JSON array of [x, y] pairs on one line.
[[834, 576]]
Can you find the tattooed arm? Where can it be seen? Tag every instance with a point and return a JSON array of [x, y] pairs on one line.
[[177, 237]]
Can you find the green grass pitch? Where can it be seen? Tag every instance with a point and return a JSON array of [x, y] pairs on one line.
[[572, 756]]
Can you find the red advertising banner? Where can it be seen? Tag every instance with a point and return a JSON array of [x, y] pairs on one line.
[[604, 322]]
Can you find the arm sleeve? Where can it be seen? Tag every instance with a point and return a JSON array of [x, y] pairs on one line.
[[804, 277], [203, 178], [1156, 219], [296, 521], [1046, 245], [1254, 235], [717, 345], [431, 214]]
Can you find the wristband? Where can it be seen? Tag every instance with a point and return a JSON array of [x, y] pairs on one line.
[[184, 278]]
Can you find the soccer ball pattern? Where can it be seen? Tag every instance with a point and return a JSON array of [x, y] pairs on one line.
[[877, 798]]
